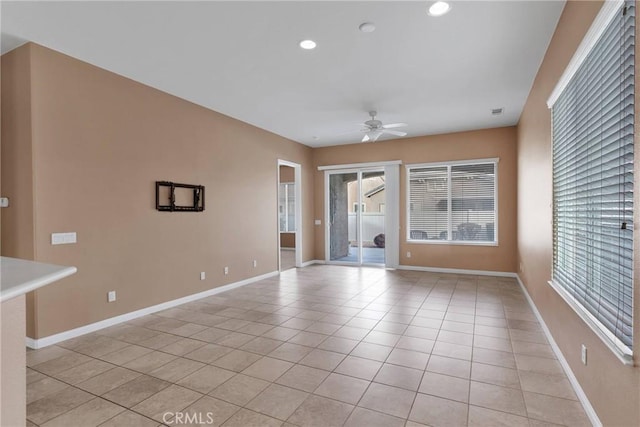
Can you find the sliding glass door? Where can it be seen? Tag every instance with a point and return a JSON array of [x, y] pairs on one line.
[[356, 216]]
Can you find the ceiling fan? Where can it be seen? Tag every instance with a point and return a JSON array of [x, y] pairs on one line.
[[374, 128]]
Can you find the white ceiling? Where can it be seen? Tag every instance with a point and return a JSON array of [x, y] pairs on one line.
[[242, 58]]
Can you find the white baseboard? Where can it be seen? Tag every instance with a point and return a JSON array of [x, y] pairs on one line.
[[72, 333], [458, 271], [313, 261], [582, 397], [429, 269], [31, 343]]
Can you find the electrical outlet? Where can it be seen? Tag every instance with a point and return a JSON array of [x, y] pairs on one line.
[[111, 296], [255, 263], [317, 222], [63, 238], [202, 275], [583, 354], [408, 254], [226, 270]]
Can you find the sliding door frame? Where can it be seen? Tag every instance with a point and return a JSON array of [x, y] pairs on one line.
[[392, 209]]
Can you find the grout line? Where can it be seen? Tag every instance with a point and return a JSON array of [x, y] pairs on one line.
[[91, 393]]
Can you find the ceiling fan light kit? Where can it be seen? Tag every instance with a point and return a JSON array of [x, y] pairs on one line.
[[439, 8], [308, 44], [374, 128], [367, 27]]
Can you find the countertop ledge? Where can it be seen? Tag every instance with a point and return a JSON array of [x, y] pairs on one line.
[[19, 276]]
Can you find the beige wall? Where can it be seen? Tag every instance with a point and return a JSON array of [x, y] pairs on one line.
[[489, 143], [100, 141], [13, 393], [613, 389]]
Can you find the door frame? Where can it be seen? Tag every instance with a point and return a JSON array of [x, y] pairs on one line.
[[297, 173]]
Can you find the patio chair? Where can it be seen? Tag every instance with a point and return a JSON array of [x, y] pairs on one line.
[[418, 235]]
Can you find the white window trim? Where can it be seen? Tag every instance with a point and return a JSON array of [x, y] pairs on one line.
[[607, 13], [452, 242], [600, 23], [357, 166], [617, 347], [495, 160], [408, 167]]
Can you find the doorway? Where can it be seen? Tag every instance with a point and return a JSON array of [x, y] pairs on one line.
[[289, 215], [356, 216]]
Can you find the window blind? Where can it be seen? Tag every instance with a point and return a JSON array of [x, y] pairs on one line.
[[427, 188], [291, 207], [472, 202], [286, 207], [452, 202], [593, 136]]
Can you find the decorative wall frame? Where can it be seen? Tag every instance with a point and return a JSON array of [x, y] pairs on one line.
[[193, 195]]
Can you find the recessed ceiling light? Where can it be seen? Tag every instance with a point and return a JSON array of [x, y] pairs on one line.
[[439, 8], [367, 27], [308, 44]]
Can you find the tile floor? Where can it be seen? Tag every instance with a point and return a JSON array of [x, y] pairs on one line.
[[319, 346]]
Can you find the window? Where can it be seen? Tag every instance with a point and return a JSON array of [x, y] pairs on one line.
[[453, 202], [593, 134], [286, 208]]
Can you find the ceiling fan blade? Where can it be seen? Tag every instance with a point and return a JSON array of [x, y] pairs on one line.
[[394, 132], [395, 125], [366, 138], [376, 136]]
